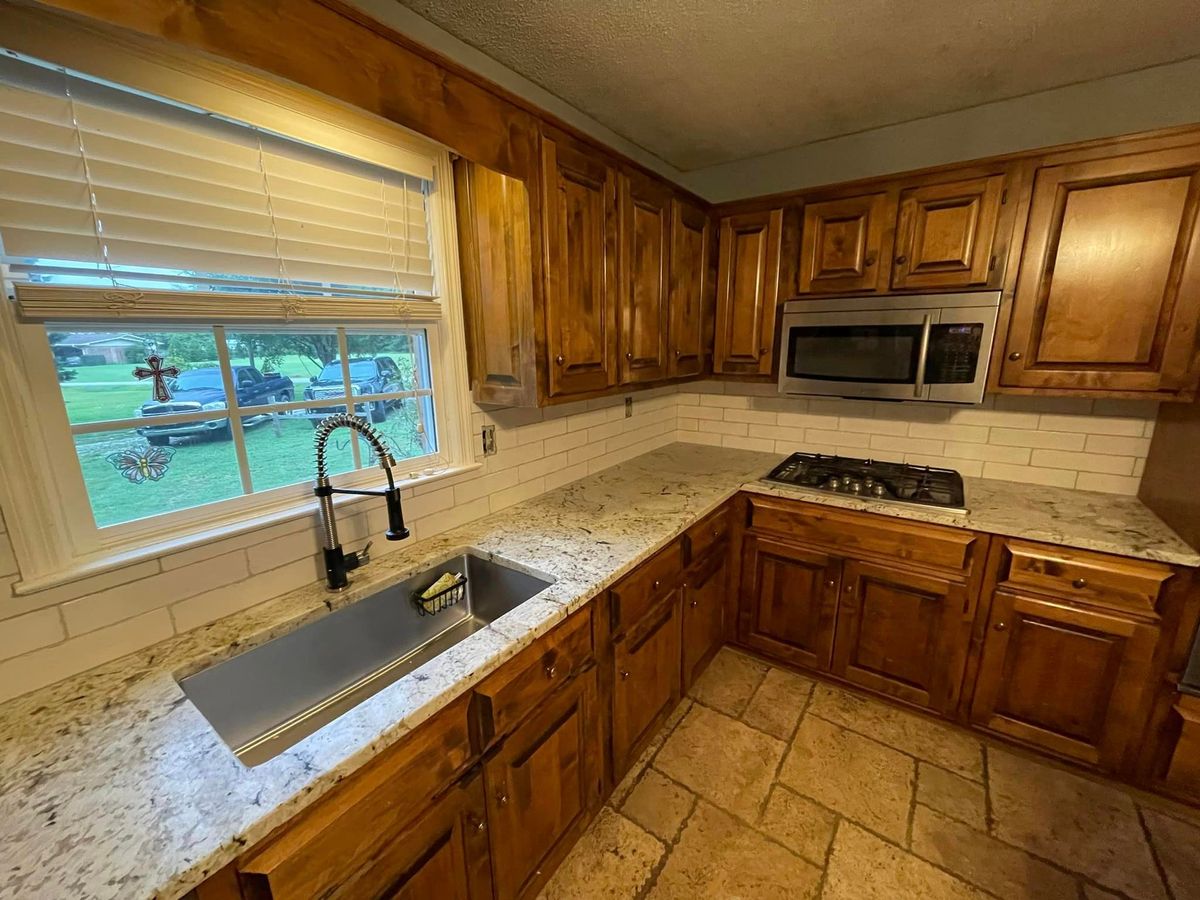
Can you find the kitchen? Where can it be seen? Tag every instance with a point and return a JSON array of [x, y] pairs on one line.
[[775, 503]]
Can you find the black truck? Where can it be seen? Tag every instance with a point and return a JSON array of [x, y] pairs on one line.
[[203, 389], [377, 375]]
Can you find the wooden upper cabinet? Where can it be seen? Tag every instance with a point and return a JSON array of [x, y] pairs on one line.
[[840, 244], [580, 246], [645, 214], [945, 233], [690, 329], [747, 292], [496, 258], [1108, 291]]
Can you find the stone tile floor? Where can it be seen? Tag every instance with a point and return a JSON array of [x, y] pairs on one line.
[[766, 785]]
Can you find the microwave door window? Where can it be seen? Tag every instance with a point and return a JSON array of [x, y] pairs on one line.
[[875, 354]]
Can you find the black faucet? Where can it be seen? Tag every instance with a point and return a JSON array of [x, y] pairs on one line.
[[337, 563]]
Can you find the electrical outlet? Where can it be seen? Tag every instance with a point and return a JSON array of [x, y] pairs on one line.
[[489, 440], [628, 407]]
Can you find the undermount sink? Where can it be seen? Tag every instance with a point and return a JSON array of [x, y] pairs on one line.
[[269, 698]]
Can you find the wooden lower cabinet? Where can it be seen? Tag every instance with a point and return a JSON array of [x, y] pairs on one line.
[[703, 609], [1071, 680], [646, 665], [903, 633], [543, 785]]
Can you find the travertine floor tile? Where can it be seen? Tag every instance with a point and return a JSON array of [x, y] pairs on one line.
[[1178, 846], [952, 795], [1091, 892], [920, 737], [799, 824], [612, 861], [719, 858], [621, 791], [776, 706], [863, 867], [659, 805], [985, 862], [723, 760], [854, 775], [1091, 828], [729, 682]]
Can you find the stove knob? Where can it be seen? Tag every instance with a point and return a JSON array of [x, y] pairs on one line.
[[854, 486], [868, 482], [833, 484], [877, 490]]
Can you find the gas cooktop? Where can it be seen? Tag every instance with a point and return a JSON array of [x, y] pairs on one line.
[[887, 482]]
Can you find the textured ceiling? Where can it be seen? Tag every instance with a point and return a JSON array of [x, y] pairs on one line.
[[700, 82]]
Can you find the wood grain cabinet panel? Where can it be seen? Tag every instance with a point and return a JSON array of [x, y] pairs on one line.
[[580, 246], [945, 232], [840, 243], [747, 293], [645, 213], [1108, 291], [542, 788], [704, 604], [1067, 679], [690, 334], [646, 683], [903, 633], [789, 601]]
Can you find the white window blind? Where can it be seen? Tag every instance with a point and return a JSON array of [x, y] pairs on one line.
[[100, 185]]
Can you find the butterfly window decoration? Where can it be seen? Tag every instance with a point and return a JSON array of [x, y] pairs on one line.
[[141, 464]]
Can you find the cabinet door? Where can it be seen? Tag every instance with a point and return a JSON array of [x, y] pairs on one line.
[[690, 333], [1108, 293], [704, 614], [1066, 679], [646, 686], [645, 278], [543, 786], [747, 293], [840, 244], [945, 233], [579, 217], [903, 633], [789, 601]]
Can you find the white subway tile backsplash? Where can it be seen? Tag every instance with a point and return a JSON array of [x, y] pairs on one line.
[[907, 444], [30, 632], [1118, 446], [1110, 484], [1030, 474], [751, 416], [844, 438], [872, 426], [1048, 440], [1083, 462], [1093, 425], [986, 452], [748, 443], [967, 434]]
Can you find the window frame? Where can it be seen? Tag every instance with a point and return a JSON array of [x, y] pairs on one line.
[[46, 505]]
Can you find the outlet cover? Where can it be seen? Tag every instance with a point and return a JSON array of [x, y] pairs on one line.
[[489, 440], [628, 407]]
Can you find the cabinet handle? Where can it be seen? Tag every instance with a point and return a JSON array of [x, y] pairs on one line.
[[560, 359], [502, 800], [551, 670], [624, 674], [901, 259], [1001, 626], [1079, 583], [1015, 355]]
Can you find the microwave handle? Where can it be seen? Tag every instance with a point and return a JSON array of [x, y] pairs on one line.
[[923, 355]]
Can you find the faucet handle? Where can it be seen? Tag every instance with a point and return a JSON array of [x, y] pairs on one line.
[[364, 555], [358, 557]]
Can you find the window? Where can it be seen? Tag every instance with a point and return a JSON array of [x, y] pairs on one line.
[[190, 294]]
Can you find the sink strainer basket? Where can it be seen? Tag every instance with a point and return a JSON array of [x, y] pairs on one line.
[[443, 599]]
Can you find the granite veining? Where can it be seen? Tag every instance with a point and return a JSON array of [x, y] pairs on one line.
[[112, 784]]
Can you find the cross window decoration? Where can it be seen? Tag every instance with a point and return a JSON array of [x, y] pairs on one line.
[[160, 375]]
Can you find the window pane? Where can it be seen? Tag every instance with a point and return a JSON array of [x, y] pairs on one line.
[[129, 478], [382, 363], [408, 429], [279, 449]]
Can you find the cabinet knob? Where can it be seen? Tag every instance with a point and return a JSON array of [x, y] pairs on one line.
[[624, 674], [629, 354], [551, 670], [830, 583], [1015, 355], [694, 604], [901, 259], [478, 824], [657, 584], [763, 351], [870, 260], [1079, 583], [502, 800], [678, 353], [1001, 626], [560, 359]]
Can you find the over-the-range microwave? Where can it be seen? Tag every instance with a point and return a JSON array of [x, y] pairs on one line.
[[932, 347]]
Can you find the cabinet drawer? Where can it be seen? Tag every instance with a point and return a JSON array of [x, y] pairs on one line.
[[508, 695], [707, 533], [647, 684], [634, 595], [1080, 575], [855, 533]]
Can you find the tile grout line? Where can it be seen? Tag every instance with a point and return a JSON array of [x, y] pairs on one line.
[[837, 826], [989, 816], [1158, 865]]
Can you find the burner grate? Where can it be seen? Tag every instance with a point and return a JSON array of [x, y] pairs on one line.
[[870, 479]]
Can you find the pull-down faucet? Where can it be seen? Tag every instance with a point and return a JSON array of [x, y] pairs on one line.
[[337, 563]]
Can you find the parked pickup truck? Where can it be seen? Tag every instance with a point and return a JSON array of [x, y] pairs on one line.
[[202, 389], [379, 375]]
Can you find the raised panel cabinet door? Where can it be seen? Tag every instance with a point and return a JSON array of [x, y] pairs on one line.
[[579, 217], [1063, 678], [789, 601], [747, 292], [690, 332], [495, 251], [542, 787], [945, 233], [646, 667], [840, 242], [1108, 291], [645, 213], [903, 633], [704, 593]]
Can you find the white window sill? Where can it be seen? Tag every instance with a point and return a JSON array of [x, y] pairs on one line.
[[110, 561]]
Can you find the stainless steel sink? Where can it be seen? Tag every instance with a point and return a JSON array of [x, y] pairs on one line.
[[267, 699]]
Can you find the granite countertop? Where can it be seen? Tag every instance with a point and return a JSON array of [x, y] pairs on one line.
[[112, 785]]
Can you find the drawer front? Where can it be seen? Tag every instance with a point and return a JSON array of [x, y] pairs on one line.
[[703, 628], [511, 693], [635, 594], [1080, 575], [706, 534], [854, 533], [646, 687]]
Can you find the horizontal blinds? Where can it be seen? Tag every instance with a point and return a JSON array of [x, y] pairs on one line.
[[157, 196]]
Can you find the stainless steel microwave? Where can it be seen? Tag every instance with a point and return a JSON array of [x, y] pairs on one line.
[[933, 347]]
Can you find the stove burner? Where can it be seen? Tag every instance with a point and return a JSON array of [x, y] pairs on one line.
[[891, 482]]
